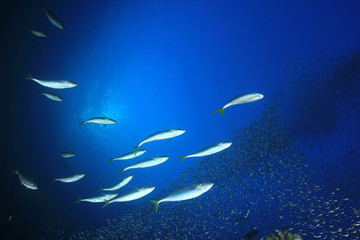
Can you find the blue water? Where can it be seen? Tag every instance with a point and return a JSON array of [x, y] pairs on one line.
[[156, 65]]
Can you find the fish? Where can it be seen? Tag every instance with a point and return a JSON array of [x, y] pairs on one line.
[[99, 120], [102, 198], [67, 154], [242, 219], [37, 33], [52, 97], [187, 193], [55, 84], [53, 19], [208, 150], [128, 156], [243, 98], [69, 179], [133, 195], [146, 163], [251, 234], [119, 185], [166, 134], [26, 182]]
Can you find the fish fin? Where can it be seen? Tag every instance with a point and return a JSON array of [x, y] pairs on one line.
[[103, 115], [53, 180], [29, 77], [83, 122], [107, 203], [182, 158], [221, 110], [104, 125], [136, 149], [111, 159], [124, 204], [100, 189], [79, 200], [156, 203], [16, 171], [121, 171]]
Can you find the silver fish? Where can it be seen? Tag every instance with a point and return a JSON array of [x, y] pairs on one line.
[[119, 185], [69, 179], [185, 194], [102, 198], [26, 182], [133, 195], [208, 150], [67, 154], [53, 19], [99, 120], [166, 134], [146, 163], [52, 97], [243, 98], [55, 84], [128, 156], [37, 33]]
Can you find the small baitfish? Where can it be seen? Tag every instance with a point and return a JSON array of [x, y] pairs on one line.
[[243, 98], [102, 198], [209, 150], [119, 185], [53, 19], [37, 33], [99, 120], [67, 154], [55, 84], [128, 156], [166, 134], [69, 179], [147, 163], [26, 182], [133, 195], [52, 97], [187, 193]]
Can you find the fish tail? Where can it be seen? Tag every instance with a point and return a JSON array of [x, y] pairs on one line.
[[107, 203], [156, 203], [81, 123], [100, 189], [136, 149], [182, 158], [53, 180], [221, 110], [29, 77], [111, 159], [79, 200], [121, 171]]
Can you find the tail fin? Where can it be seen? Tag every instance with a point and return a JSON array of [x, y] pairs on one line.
[[53, 180], [100, 189], [16, 171], [107, 203], [29, 77], [79, 200], [81, 123], [121, 172], [182, 158], [136, 149], [221, 110], [111, 159], [156, 203]]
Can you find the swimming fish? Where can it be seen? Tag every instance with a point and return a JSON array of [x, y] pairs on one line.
[[52, 97], [69, 179], [37, 32], [243, 98], [119, 185], [67, 154], [146, 163], [128, 156], [133, 195], [53, 19], [26, 182], [166, 134], [102, 198], [99, 120], [55, 84], [208, 150], [187, 193]]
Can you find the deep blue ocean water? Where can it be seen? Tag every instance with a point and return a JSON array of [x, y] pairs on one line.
[[156, 65]]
